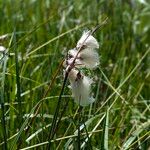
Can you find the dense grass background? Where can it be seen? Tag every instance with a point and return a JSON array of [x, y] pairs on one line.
[[38, 34]]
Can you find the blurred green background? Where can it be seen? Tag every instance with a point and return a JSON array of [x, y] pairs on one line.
[[37, 35]]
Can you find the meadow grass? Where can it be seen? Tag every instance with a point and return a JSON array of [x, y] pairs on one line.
[[37, 35]]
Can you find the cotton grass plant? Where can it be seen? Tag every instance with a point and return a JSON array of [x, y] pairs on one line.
[[80, 84], [84, 55]]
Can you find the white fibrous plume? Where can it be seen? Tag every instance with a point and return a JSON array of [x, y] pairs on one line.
[[2, 49], [81, 88], [71, 55], [84, 55], [88, 41], [88, 58]]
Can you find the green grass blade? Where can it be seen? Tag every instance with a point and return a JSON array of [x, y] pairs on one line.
[[135, 134], [106, 130]]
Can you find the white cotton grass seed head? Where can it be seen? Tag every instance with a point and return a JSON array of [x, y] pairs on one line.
[[2, 49], [73, 75], [72, 53], [81, 88], [89, 42], [88, 58]]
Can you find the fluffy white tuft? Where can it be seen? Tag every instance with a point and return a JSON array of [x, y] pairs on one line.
[[81, 88], [2, 49], [90, 42], [72, 75], [89, 58], [72, 53]]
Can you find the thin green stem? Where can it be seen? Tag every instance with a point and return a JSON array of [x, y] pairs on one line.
[[52, 130]]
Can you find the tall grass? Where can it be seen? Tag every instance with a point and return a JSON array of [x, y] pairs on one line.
[[37, 37]]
